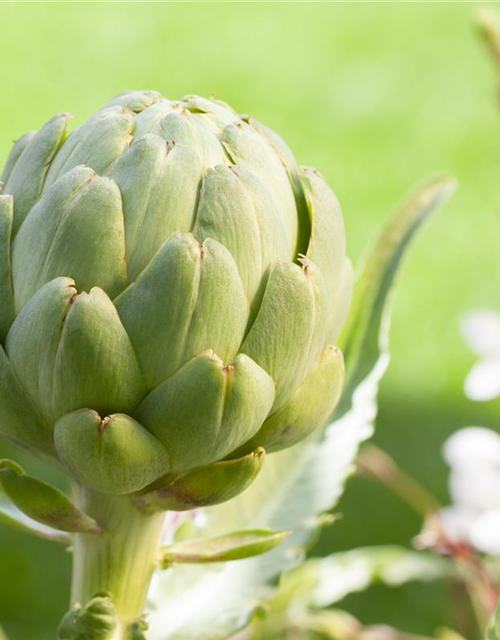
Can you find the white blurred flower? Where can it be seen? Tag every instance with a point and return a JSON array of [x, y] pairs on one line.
[[473, 454], [481, 330]]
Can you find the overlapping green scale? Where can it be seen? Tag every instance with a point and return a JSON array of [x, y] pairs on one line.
[[309, 406], [71, 351], [76, 229], [189, 299], [236, 209], [21, 421], [207, 409], [188, 129], [113, 455], [147, 120], [327, 247], [28, 174], [218, 114], [281, 335], [248, 148], [19, 146], [98, 143], [136, 101], [211, 283], [159, 185]]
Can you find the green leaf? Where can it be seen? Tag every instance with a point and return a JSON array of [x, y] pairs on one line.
[[297, 485], [42, 502], [12, 517], [328, 580], [3, 635], [233, 546], [365, 334], [97, 620]]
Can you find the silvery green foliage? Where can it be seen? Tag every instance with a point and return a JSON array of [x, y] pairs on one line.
[[332, 578], [297, 485], [304, 598], [172, 286]]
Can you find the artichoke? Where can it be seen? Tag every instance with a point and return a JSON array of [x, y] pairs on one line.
[[171, 288]]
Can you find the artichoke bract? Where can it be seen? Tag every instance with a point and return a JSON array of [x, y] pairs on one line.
[[172, 284]]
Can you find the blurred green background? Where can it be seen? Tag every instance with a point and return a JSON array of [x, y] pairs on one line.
[[376, 95]]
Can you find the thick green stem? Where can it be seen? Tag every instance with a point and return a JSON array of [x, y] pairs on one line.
[[121, 560]]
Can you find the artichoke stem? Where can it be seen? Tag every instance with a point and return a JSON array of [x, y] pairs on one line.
[[121, 560]]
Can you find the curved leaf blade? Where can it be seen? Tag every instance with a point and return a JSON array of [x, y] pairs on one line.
[[42, 502], [233, 546], [366, 332], [12, 517]]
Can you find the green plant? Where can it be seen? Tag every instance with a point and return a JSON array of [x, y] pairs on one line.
[[172, 287]]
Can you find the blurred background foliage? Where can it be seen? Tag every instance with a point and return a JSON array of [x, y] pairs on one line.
[[376, 95]]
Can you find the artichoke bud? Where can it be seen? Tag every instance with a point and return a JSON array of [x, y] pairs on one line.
[[97, 619], [307, 409], [170, 266], [112, 455], [204, 486]]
